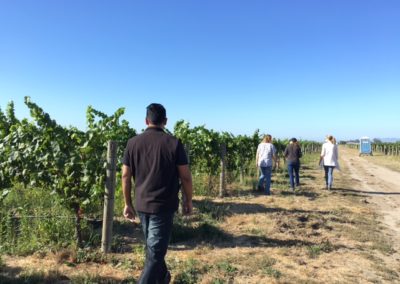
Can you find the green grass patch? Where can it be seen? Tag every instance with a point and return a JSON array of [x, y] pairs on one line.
[[226, 268], [212, 210], [316, 250], [189, 273], [266, 264], [270, 271], [33, 220]]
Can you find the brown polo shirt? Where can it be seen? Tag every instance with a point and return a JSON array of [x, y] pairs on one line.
[[153, 157]]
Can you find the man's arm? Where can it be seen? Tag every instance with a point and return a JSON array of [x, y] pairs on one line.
[[129, 212], [187, 188]]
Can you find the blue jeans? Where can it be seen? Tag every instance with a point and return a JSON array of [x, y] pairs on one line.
[[265, 178], [157, 231], [329, 175], [293, 169]]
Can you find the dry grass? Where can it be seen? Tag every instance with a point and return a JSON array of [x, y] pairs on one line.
[[391, 162], [310, 236]]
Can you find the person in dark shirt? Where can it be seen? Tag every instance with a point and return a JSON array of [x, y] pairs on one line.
[[156, 161], [292, 155]]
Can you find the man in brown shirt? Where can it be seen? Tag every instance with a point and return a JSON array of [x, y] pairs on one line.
[[156, 161]]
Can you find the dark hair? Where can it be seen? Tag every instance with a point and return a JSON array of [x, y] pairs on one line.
[[156, 113], [294, 140]]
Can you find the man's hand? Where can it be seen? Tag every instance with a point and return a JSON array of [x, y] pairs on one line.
[[187, 207], [129, 213], [187, 189]]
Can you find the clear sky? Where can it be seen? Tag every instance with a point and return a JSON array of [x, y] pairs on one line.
[[302, 68]]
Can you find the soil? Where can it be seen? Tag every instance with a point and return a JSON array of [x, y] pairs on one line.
[[380, 184]]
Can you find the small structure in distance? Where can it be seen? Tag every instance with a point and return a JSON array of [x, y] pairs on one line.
[[365, 146]]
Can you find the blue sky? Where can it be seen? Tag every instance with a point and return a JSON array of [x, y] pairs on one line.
[[289, 68]]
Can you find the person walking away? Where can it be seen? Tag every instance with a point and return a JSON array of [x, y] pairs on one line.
[[329, 159], [292, 155], [156, 161], [265, 156]]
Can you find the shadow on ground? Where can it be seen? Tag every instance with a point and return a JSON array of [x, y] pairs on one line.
[[363, 193], [13, 275], [202, 227], [232, 208], [284, 192], [206, 231], [184, 238]]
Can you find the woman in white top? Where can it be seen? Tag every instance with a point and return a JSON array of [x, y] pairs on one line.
[[329, 159], [266, 153]]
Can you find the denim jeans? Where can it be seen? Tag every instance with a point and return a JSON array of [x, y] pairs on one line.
[[293, 169], [265, 178], [329, 175], [157, 231]]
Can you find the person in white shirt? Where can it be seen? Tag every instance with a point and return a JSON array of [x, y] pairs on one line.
[[266, 154], [329, 159]]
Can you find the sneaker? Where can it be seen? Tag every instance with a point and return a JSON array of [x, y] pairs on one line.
[[292, 188]]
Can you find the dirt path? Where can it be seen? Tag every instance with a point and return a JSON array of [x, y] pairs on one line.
[[380, 184]]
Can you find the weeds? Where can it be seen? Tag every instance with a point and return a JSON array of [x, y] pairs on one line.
[[54, 276], [203, 229], [117, 244], [266, 265], [89, 255], [27, 211], [31, 276], [270, 271], [218, 281], [138, 249], [94, 279], [257, 232], [226, 268], [315, 250], [189, 274], [212, 210], [130, 264], [267, 262], [383, 246]]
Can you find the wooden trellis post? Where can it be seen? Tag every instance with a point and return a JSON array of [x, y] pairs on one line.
[[222, 175], [109, 194]]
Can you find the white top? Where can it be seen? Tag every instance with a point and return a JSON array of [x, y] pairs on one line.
[[330, 154], [265, 152]]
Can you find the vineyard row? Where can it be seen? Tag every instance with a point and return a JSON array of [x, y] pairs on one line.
[[72, 163]]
